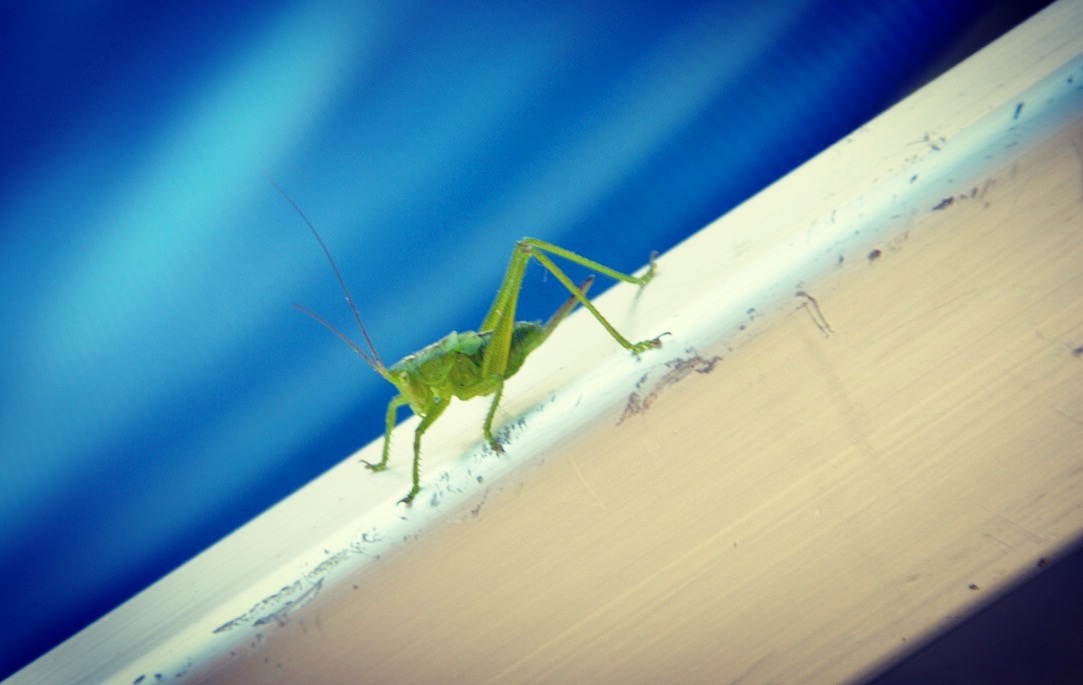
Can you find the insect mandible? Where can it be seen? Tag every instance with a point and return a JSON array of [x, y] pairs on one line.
[[475, 363]]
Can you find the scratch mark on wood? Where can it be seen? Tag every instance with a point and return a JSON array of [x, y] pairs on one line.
[[640, 400]]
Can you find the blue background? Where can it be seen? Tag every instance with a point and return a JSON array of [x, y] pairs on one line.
[[158, 389]]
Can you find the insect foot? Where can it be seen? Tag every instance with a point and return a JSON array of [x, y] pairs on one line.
[[651, 270], [409, 499], [647, 345], [652, 344]]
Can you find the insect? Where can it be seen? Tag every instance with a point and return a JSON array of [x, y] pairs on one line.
[[475, 363]]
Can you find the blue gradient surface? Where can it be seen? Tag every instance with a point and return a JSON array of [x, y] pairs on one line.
[[158, 389]]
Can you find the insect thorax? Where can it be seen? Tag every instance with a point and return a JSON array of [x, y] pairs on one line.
[[452, 366]]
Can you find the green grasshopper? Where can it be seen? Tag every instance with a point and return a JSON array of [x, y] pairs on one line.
[[474, 364]]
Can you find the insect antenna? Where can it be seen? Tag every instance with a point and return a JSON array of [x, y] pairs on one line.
[[374, 360], [374, 363]]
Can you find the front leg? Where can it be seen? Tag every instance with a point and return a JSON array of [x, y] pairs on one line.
[[435, 410], [487, 429], [392, 410]]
